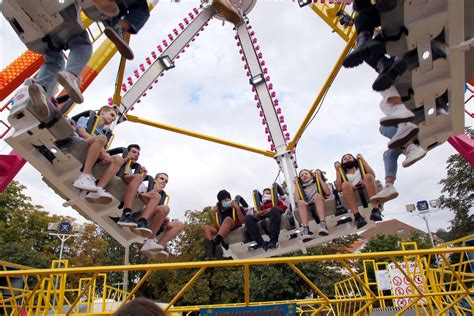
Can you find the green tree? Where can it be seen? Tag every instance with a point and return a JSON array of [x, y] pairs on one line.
[[458, 193], [24, 238]]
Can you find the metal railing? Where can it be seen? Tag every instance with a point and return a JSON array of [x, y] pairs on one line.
[[446, 287]]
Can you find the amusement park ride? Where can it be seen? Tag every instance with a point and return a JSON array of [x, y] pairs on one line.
[[411, 25]]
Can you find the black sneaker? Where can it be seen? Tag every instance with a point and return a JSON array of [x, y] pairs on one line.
[[376, 215], [307, 234], [208, 248], [389, 71], [218, 251], [116, 35], [142, 229], [126, 220], [269, 245], [365, 47], [256, 245], [360, 221]]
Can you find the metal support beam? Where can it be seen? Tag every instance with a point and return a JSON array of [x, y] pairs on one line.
[[322, 93], [178, 130]]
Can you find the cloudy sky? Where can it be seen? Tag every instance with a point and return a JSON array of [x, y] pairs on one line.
[[208, 92]]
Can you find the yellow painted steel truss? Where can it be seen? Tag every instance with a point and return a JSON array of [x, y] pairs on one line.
[[447, 285]]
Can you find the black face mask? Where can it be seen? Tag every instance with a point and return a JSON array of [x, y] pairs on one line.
[[349, 164]]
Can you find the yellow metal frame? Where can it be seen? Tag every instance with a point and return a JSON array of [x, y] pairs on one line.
[[446, 285], [178, 130]]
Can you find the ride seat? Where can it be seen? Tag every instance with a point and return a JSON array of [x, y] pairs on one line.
[[43, 25]]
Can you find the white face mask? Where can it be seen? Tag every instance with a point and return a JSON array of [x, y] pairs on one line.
[[266, 197], [226, 204]]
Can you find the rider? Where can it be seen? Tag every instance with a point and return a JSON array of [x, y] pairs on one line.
[[267, 211]]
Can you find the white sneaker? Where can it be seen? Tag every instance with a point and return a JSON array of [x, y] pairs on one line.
[[399, 114], [405, 132], [150, 246], [413, 154], [159, 255], [99, 197], [323, 229], [71, 83], [38, 101], [86, 182], [387, 193]]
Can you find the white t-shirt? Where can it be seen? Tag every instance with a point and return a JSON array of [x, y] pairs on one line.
[[354, 178]]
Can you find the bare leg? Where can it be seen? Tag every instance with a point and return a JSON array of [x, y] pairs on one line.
[[160, 214], [150, 207], [114, 166], [226, 227], [173, 230], [320, 209], [208, 231], [303, 208], [371, 187], [95, 146], [349, 196], [133, 182]]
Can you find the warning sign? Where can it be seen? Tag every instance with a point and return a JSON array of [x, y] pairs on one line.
[[403, 285]]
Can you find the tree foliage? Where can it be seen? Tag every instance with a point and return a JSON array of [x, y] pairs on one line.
[[458, 194]]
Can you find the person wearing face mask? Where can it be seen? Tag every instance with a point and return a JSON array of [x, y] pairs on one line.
[[351, 170], [228, 216], [267, 211], [315, 190]]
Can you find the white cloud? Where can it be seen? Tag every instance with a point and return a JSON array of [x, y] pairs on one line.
[[208, 92]]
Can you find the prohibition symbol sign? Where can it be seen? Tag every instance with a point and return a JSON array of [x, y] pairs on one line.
[[399, 291], [418, 279], [408, 290], [397, 281], [406, 281], [402, 302]]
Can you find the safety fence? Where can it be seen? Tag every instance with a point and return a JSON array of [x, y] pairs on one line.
[[438, 281]]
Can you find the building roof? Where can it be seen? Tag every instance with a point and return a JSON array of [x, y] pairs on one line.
[[391, 227]]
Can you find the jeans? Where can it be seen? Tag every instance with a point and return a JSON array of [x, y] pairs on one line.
[[136, 14], [368, 17], [390, 156], [80, 50], [275, 221]]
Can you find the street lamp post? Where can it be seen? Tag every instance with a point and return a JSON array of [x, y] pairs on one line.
[[423, 210], [63, 231]]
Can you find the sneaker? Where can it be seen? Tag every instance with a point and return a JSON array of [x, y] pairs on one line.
[[413, 154], [399, 114], [86, 182], [307, 234], [142, 229], [387, 193], [360, 221], [70, 82], [150, 246], [38, 101], [376, 215], [126, 220], [364, 48], [218, 251], [405, 132], [270, 245], [107, 7], [323, 229], [115, 34], [208, 248], [389, 70], [225, 8], [160, 255], [99, 197]]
